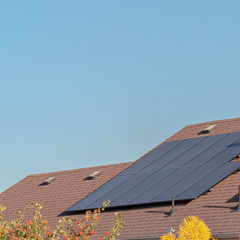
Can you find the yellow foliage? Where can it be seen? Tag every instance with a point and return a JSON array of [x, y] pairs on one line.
[[192, 228], [169, 236]]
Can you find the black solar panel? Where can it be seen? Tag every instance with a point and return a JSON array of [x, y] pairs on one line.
[[184, 169]]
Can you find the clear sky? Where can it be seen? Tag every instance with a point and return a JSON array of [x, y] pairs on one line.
[[85, 83]]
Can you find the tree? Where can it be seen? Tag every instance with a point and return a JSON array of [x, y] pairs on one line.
[[192, 228]]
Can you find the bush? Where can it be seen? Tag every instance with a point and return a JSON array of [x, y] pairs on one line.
[[192, 228], [69, 228]]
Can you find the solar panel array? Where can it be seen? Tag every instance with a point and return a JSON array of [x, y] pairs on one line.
[[184, 169]]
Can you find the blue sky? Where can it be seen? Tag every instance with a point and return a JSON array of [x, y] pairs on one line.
[[85, 83]]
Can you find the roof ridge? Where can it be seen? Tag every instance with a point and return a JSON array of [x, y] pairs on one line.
[[214, 121], [77, 169], [195, 124]]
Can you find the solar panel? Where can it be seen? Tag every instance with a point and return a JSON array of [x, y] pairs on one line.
[[122, 188], [162, 186], [166, 160], [209, 181], [152, 156], [142, 187], [184, 169]]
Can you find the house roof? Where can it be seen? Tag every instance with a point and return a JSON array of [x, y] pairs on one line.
[[67, 188], [215, 207]]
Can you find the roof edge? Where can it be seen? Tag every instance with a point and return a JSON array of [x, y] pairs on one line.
[[213, 121], [140, 238], [77, 169], [228, 235]]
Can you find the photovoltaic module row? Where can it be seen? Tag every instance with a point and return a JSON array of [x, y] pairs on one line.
[[184, 169]]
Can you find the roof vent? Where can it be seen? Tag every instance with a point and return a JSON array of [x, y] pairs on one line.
[[93, 175], [170, 230], [237, 208], [173, 209], [208, 129], [48, 181]]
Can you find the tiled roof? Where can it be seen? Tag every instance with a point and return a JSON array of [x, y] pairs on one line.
[[215, 207], [69, 186], [222, 126]]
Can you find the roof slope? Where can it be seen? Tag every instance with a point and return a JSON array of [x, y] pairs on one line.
[[66, 190], [193, 130], [215, 207]]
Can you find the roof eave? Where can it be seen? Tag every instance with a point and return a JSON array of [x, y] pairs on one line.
[[229, 236]]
